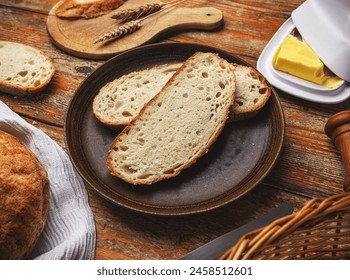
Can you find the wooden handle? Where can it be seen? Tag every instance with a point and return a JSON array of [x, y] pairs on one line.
[[338, 129]]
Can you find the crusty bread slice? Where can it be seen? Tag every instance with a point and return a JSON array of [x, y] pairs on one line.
[[119, 101], [24, 70], [87, 8], [178, 125], [252, 93]]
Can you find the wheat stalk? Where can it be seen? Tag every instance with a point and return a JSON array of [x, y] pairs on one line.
[[122, 30], [133, 19], [139, 12], [143, 11]]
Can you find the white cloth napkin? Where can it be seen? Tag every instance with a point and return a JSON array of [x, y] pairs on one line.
[[70, 232]]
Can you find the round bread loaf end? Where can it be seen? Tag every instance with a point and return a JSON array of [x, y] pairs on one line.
[[24, 198]]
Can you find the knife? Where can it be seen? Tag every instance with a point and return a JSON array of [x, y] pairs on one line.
[[217, 247]]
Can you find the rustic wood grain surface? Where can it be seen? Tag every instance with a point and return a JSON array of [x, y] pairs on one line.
[[309, 165]]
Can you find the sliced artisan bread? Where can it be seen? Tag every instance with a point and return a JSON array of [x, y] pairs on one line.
[[252, 93], [119, 101], [24, 70], [178, 125], [87, 8]]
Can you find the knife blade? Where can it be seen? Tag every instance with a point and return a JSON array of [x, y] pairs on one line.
[[215, 248]]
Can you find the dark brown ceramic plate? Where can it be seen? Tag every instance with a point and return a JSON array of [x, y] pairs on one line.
[[241, 157]]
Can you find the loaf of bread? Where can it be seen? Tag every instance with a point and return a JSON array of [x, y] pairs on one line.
[[87, 8], [119, 101], [252, 93], [177, 126], [24, 70], [24, 198]]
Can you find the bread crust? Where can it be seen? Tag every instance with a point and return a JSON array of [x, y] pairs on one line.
[[72, 9], [246, 112], [24, 198], [199, 154], [16, 89]]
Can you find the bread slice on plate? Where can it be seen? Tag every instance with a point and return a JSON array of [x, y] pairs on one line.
[[119, 101], [252, 93], [176, 127], [24, 70], [87, 8]]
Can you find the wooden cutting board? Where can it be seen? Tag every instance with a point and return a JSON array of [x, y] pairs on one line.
[[77, 36]]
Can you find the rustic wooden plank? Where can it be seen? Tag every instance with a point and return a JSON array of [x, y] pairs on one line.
[[124, 234], [31, 5], [309, 163], [242, 33]]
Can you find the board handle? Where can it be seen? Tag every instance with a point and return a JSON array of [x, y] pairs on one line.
[[338, 129]]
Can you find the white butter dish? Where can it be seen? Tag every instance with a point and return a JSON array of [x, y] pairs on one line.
[[296, 86]]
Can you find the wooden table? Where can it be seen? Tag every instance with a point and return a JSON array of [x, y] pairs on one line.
[[309, 165]]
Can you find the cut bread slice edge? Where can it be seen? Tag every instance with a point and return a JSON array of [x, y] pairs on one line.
[[160, 143]]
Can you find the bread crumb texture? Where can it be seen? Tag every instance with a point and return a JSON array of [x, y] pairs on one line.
[[119, 101], [178, 125], [24, 67], [23, 198]]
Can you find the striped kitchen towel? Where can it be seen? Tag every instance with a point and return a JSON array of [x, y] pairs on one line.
[[70, 232]]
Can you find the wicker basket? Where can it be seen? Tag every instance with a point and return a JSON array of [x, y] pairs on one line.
[[320, 230]]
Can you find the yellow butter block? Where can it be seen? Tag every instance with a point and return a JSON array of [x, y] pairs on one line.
[[295, 57]]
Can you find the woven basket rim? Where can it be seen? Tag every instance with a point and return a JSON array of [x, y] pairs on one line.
[[314, 211]]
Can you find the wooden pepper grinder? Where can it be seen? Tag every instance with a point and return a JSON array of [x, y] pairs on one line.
[[338, 129]]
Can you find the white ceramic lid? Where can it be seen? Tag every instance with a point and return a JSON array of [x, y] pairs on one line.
[[325, 26], [293, 85]]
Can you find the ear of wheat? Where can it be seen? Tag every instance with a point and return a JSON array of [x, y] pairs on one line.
[[122, 30], [132, 19], [137, 13], [143, 11]]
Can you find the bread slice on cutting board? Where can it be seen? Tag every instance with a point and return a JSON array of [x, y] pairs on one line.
[[177, 126], [24, 70], [119, 101], [87, 8]]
